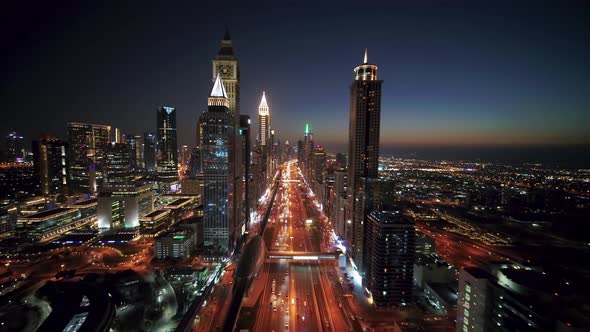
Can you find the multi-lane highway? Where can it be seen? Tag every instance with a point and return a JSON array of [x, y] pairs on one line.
[[298, 295]]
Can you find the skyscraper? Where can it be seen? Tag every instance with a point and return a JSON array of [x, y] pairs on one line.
[[51, 165], [149, 151], [363, 151], [218, 141], [167, 157], [226, 66], [88, 144], [389, 261], [263, 122]]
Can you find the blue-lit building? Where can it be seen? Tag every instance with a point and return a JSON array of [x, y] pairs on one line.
[[217, 143]]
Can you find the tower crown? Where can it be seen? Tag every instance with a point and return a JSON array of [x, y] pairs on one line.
[[365, 71], [218, 96], [263, 107], [226, 45]]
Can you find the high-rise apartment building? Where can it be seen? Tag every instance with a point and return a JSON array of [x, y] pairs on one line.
[[167, 148], [88, 144], [149, 151], [363, 151], [51, 166], [218, 141], [389, 263]]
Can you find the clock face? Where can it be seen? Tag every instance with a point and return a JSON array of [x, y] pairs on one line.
[[225, 70]]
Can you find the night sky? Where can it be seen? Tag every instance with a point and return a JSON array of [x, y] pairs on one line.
[[454, 72]]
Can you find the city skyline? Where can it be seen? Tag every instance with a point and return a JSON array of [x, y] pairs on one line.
[[501, 75], [437, 182]]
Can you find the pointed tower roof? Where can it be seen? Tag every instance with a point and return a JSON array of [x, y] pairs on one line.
[[226, 45], [218, 96], [263, 107], [218, 88]]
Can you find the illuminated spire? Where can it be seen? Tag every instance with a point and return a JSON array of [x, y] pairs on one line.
[[218, 88], [365, 71], [263, 107], [306, 129], [218, 96]]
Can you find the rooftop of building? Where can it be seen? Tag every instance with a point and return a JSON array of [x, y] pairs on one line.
[[390, 217], [124, 189], [156, 213], [48, 213], [540, 281], [176, 233], [91, 201], [179, 201]]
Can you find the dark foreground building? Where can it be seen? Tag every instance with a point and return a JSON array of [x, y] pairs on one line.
[[389, 258]]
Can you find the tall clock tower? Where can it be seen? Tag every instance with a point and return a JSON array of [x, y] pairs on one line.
[[226, 65]]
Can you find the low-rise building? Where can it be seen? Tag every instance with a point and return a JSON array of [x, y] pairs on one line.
[[154, 222], [87, 207], [176, 243], [50, 223], [123, 205]]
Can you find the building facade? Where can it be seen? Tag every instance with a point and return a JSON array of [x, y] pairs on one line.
[[149, 151], [51, 166], [167, 158], [118, 163], [123, 205], [176, 244], [247, 197], [88, 153], [218, 141]]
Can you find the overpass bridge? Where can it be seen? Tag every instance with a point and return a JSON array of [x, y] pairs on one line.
[[303, 255]]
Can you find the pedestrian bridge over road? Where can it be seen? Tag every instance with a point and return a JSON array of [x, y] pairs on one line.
[[303, 255]]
